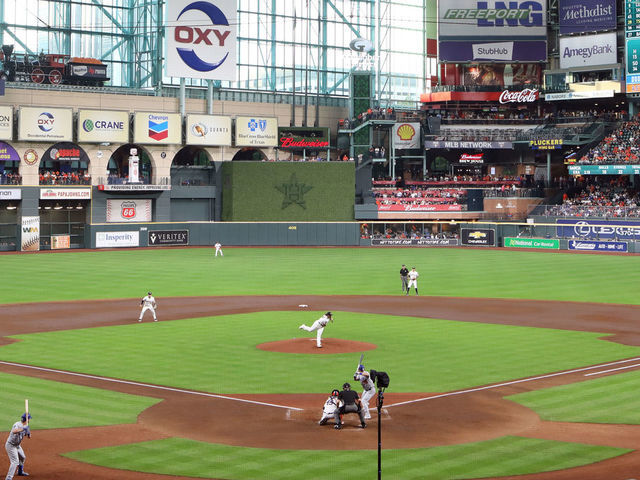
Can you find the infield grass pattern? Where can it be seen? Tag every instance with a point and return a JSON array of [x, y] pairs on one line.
[[319, 271], [499, 457], [191, 353]]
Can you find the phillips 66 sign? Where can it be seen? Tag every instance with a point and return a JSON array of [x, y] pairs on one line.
[[201, 39]]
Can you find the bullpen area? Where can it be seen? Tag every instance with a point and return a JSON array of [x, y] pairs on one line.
[[509, 364]]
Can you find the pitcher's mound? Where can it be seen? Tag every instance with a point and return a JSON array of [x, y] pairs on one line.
[[308, 345]]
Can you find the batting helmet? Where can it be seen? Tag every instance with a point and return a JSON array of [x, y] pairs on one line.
[[346, 385], [148, 293], [335, 392], [360, 368], [25, 415], [328, 314]]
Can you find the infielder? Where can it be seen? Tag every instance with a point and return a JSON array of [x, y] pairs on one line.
[[318, 325], [413, 280], [330, 406], [218, 246], [14, 450], [369, 389], [148, 303]]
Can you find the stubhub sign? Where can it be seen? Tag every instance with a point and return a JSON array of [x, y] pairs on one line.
[[201, 39]]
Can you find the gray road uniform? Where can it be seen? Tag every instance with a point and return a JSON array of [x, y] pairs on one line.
[[369, 390], [14, 450]]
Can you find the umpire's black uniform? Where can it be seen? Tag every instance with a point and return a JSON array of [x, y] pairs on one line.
[[404, 278], [350, 405]]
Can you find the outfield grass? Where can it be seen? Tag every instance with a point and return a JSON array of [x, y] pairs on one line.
[[321, 271], [62, 405], [192, 353], [612, 399], [494, 458]]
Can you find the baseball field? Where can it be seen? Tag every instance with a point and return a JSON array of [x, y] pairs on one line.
[[510, 364]]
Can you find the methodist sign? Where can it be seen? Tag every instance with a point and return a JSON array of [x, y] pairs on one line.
[[588, 50], [492, 31], [579, 16], [201, 39], [46, 124], [157, 128], [98, 126]]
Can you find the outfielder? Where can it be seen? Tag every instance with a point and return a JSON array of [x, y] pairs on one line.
[[330, 406], [413, 280], [148, 303], [369, 389], [14, 450], [318, 325], [218, 246]]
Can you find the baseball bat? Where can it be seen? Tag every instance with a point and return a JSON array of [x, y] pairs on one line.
[[26, 409], [360, 362]]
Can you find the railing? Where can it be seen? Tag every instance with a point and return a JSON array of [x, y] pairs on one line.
[[143, 180], [10, 179], [587, 211], [60, 180]]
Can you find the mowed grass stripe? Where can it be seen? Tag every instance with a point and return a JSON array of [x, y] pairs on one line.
[[213, 354], [499, 457], [460, 272], [611, 399], [62, 405]]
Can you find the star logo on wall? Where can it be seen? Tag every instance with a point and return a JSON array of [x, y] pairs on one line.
[[293, 192]]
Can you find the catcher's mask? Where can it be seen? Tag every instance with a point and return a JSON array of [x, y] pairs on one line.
[[335, 393], [346, 385]]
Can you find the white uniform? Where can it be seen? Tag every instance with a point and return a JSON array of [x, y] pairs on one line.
[[413, 280], [329, 409], [219, 249], [369, 390], [318, 326], [14, 450], [148, 303]]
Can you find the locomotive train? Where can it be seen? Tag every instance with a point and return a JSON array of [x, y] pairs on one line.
[[51, 68]]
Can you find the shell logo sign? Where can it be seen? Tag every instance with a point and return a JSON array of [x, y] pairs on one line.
[[406, 135]]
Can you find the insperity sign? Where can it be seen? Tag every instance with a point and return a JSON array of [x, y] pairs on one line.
[[201, 39]]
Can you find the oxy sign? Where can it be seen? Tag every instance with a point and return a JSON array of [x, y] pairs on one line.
[[201, 39]]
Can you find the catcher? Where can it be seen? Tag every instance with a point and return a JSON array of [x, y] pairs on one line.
[[330, 406]]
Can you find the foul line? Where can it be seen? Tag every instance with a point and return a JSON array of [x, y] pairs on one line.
[[531, 379], [611, 370], [148, 385]]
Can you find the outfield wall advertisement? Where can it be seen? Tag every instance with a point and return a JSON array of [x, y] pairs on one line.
[[163, 238], [288, 191], [30, 239], [6, 123], [598, 229], [591, 246], [157, 128], [492, 31], [130, 210], [478, 237], [46, 124], [117, 239], [98, 126], [414, 242], [208, 130], [256, 132], [540, 243]]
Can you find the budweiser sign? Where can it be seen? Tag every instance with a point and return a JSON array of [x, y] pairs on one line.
[[288, 142], [527, 95], [467, 158]]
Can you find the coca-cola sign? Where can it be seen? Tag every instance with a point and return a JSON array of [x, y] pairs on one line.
[[527, 95]]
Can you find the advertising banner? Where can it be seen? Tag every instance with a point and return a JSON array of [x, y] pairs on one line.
[[6, 123], [471, 158], [30, 239], [98, 126], [128, 210], [492, 31], [546, 143], [502, 74], [208, 130], [117, 239], [541, 243], [158, 238], [66, 152], [157, 128], [63, 193], [632, 45], [46, 124], [598, 246], [201, 39], [414, 242], [10, 194], [483, 237], [256, 132], [598, 229], [419, 208], [469, 145], [406, 135], [588, 50], [579, 95], [8, 153], [603, 169], [59, 242], [310, 138], [578, 16]]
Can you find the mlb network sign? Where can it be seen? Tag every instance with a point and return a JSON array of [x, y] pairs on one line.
[[201, 39]]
